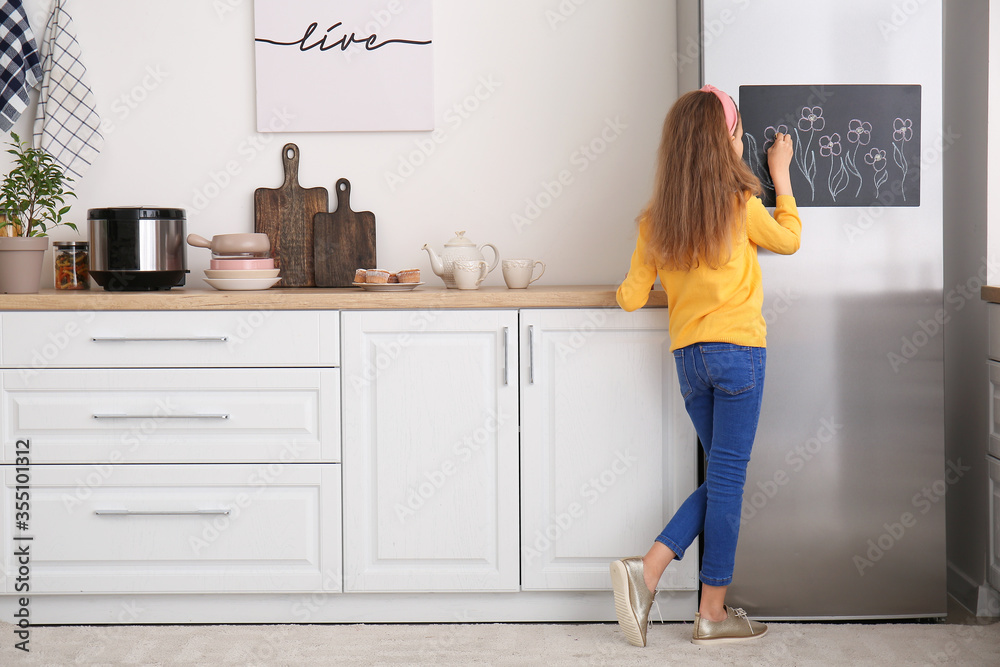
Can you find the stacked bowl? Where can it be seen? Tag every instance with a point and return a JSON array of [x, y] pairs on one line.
[[239, 261]]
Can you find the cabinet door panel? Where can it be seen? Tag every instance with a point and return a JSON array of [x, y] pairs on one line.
[[173, 528], [994, 570], [994, 441], [607, 449], [430, 451]]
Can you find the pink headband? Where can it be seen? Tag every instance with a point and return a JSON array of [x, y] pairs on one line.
[[728, 106]]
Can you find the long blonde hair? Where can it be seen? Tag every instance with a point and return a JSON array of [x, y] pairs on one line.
[[701, 187]]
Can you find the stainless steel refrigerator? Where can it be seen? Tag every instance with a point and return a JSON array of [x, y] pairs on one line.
[[843, 512]]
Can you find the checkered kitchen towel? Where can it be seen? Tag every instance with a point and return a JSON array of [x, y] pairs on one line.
[[20, 70], [66, 124]]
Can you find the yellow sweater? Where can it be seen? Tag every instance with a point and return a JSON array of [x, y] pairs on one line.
[[718, 305]]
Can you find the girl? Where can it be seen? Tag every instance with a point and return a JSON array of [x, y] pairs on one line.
[[700, 234]]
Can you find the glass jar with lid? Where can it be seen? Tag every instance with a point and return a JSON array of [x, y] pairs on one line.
[[72, 264]]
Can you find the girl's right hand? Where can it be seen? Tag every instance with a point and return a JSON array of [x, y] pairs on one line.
[[779, 159], [779, 155]]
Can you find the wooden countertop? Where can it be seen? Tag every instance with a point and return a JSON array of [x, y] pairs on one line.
[[990, 293], [317, 298]]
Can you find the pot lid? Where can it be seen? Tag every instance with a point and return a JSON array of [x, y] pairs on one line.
[[459, 241], [135, 213]]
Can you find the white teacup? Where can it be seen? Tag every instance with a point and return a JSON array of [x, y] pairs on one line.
[[517, 272], [469, 273]]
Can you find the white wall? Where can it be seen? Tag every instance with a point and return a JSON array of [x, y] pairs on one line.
[[557, 86]]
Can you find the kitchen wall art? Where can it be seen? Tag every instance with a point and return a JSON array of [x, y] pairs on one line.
[[855, 145], [344, 65]]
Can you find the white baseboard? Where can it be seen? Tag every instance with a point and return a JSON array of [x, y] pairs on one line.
[[963, 588], [523, 607], [978, 598], [988, 604]]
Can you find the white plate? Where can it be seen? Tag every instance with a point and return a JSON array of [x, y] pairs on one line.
[[241, 274], [387, 287], [241, 284]]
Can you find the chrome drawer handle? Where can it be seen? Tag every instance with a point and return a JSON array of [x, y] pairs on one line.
[[531, 354], [160, 416], [505, 353], [159, 512], [195, 339]]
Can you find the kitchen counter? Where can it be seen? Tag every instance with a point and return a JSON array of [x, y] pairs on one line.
[[990, 293], [317, 298]]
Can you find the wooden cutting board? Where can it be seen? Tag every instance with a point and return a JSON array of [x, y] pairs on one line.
[[285, 214], [344, 241]]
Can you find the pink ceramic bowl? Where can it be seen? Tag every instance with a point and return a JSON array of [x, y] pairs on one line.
[[254, 264]]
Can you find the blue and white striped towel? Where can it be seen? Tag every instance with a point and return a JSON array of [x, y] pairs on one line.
[[20, 70], [67, 124]]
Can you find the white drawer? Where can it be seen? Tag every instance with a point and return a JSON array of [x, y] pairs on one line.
[[32, 341], [173, 529], [994, 442], [173, 415]]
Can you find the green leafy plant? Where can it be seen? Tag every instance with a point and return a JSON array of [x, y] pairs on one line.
[[33, 193]]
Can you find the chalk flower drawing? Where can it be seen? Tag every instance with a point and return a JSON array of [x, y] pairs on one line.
[[902, 131], [876, 158], [829, 145], [770, 132], [859, 133], [810, 122], [757, 160], [812, 119]]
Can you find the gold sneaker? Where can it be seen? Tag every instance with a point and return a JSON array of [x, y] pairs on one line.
[[632, 599], [736, 628]]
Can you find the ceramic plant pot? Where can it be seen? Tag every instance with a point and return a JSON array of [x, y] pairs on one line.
[[21, 263]]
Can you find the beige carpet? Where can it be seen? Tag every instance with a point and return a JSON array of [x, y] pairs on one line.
[[499, 644]]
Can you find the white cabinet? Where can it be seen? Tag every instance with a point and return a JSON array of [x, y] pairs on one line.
[[179, 528], [607, 449], [430, 450], [174, 452], [237, 466], [993, 445], [432, 406]]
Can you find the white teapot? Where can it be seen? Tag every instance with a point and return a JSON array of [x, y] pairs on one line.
[[458, 248]]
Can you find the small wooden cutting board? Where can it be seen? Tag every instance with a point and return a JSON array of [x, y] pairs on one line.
[[344, 241], [285, 214]]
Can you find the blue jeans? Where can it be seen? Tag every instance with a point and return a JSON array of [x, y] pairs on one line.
[[722, 385]]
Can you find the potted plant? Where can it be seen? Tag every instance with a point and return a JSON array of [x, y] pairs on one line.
[[32, 202]]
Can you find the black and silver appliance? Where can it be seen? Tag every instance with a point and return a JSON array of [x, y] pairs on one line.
[[137, 248]]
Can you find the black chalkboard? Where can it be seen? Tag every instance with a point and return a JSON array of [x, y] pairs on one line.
[[856, 145]]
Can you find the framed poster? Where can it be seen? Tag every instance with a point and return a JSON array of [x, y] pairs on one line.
[[855, 145], [344, 65]]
